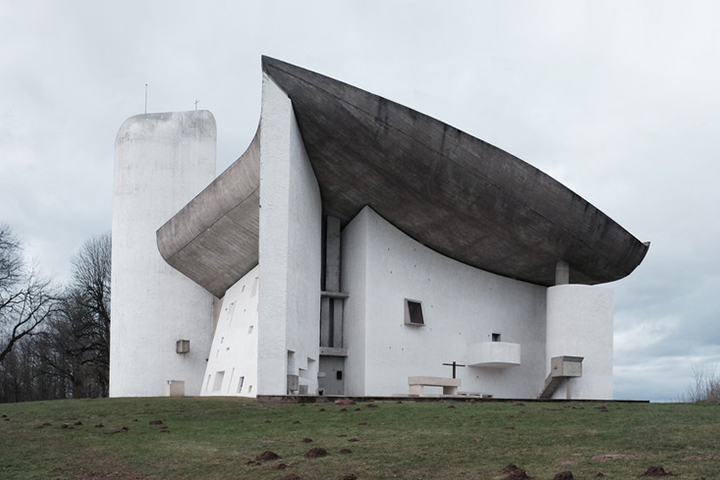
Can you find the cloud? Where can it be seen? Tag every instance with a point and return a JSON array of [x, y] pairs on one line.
[[617, 100]]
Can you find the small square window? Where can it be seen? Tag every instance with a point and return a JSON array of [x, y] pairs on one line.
[[413, 313], [182, 346], [495, 337]]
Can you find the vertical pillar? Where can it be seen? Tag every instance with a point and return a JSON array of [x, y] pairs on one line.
[[562, 273], [331, 308], [579, 323]]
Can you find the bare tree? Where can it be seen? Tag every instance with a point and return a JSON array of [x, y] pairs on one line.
[[26, 299], [78, 337], [706, 387]]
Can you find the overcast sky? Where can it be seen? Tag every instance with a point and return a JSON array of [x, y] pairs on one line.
[[618, 100]]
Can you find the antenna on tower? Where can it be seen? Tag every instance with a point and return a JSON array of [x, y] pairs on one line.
[[196, 102], [146, 98]]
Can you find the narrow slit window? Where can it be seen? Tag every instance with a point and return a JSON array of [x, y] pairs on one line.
[[413, 313]]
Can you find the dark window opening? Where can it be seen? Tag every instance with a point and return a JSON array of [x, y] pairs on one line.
[[495, 337], [415, 313], [338, 375]]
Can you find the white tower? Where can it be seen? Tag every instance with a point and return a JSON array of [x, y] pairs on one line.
[[161, 162]]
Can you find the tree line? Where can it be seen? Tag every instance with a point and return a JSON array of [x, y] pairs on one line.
[[54, 340]]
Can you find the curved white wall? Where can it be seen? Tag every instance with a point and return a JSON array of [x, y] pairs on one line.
[[580, 323], [462, 305], [161, 162]]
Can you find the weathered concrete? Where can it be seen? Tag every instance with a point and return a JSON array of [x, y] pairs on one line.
[[449, 385], [214, 238], [451, 192]]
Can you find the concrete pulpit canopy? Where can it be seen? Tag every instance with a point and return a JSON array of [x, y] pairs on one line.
[[454, 193]]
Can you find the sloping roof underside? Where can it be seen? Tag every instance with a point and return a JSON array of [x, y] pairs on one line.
[[452, 192]]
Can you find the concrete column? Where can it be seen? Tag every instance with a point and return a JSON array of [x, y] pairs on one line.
[[331, 309], [562, 273], [332, 254]]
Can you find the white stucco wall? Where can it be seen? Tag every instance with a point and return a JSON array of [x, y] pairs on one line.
[[233, 355], [580, 323], [161, 162], [353, 280], [290, 250], [462, 306]]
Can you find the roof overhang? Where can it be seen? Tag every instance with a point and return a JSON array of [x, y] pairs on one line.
[[454, 193]]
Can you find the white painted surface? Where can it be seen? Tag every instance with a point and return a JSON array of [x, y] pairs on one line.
[[234, 350], [462, 306], [494, 354], [580, 323], [290, 251], [161, 162], [353, 280]]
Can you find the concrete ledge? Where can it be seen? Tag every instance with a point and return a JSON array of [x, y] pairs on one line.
[[424, 398], [449, 385]]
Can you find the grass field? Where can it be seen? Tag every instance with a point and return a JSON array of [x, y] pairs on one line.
[[216, 438]]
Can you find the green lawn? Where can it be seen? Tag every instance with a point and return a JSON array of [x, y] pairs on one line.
[[215, 438]]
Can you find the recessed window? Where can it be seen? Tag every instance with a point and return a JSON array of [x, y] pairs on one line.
[[495, 337], [219, 377], [413, 313], [182, 346], [241, 380], [338, 375]]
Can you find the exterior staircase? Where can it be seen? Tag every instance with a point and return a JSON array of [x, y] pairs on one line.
[[561, 369]]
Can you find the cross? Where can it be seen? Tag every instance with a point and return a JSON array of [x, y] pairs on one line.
[[454, 365], [196, 102]]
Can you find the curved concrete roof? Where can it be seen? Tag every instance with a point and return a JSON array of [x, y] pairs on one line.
[[452, 192], [214, 238]]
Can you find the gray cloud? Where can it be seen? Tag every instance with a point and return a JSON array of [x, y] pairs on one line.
[[617, 100]]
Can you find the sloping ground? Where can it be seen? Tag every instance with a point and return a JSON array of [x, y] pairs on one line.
[[217, 438]]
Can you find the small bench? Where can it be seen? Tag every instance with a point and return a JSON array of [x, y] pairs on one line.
[[449, 385]]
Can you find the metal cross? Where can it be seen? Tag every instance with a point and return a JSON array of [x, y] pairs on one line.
[[454, 365]]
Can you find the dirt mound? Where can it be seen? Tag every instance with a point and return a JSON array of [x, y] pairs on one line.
[[291, 476], [514, 472], [564, 476], [267, 456], [656, 472], [306, 440], [350, 477], [316, 453], [156, 422], [279, 466], [345, 451]]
